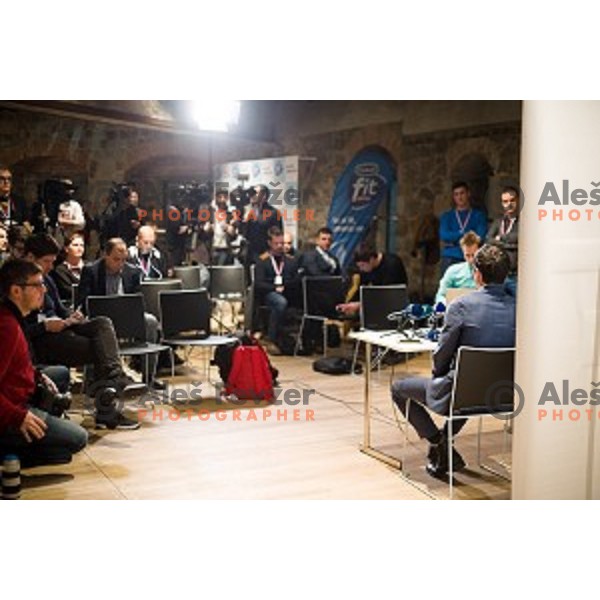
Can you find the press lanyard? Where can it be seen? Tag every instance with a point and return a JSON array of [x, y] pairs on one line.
[[462, 226], [505, 231], [278, 270]]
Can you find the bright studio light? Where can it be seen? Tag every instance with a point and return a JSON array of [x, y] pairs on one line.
[[216, 115]]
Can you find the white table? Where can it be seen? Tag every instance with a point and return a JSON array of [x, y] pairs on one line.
[[391, 340]]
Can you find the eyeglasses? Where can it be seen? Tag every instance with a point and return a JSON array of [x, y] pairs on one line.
[[35, 285], [6, 179]]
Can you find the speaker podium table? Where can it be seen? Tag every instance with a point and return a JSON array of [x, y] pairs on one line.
[[392, 340]]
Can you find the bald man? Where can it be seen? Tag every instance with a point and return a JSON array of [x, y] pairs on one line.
[[146, 256]]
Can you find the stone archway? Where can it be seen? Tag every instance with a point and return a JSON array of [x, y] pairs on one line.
[[475, 169], [31, 173]]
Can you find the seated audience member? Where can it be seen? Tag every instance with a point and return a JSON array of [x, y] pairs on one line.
[[62, 337], [35, 436], [129, 219], [4, 254], [17, 236], [485, 318], [504, 232], [460, 275], [146, 256], [276, 286], [110, 276], [375, 268], [13, 209], [68, 273], [320, 261], [457, 221], [288, 245]]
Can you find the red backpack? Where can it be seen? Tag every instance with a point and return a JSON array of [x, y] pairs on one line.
[[250, 377]]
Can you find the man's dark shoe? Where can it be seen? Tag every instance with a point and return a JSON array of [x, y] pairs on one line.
[[126, 384], [115, 421], [438, 463]]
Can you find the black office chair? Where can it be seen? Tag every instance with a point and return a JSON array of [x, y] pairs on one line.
[[320, 296], [376, 303], [150, 290], [193, 277], [185, 319], [126, 312], [483, 385], [227, 284]]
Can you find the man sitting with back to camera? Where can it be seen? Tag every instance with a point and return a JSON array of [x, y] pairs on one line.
[[64, 337], [110, 276], [33, 434], [277, 287], [485, 318]]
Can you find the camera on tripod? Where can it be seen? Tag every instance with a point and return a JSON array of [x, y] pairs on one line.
[[55, 191]]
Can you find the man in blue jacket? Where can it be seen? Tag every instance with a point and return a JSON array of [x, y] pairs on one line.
[[485, 318], [458, 221]]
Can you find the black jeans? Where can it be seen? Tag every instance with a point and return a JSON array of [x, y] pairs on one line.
[[92, 342]]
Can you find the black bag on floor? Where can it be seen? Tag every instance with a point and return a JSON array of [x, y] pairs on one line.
[[335, 365]]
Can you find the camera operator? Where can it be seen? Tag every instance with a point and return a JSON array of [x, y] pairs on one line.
[[64, 213], [34, 435], [129, 219]]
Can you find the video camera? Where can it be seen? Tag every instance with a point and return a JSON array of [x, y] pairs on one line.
[[55, 191]]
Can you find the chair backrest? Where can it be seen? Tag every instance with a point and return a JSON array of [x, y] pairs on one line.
[[483, 381], [193, 277], [227, 282], [126, 312], [377, 302], [150, 290], [454, 293], [184, 311], [322, 294]]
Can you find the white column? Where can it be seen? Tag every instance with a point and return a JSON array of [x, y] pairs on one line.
[[558, 315]]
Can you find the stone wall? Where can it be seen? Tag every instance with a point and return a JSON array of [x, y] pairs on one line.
[[432, 143], [95, 154]]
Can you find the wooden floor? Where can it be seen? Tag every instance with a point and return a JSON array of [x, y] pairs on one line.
[[252, 454]]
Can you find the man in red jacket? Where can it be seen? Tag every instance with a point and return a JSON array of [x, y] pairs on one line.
[[34, 435]]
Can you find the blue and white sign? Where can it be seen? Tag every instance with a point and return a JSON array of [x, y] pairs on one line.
[[365, 182]]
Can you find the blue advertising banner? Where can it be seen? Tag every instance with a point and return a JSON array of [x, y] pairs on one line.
[[365, 182]]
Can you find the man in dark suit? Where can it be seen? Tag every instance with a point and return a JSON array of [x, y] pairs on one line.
[[276, 285], [485, 318], [320, 261], [112, 275]]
